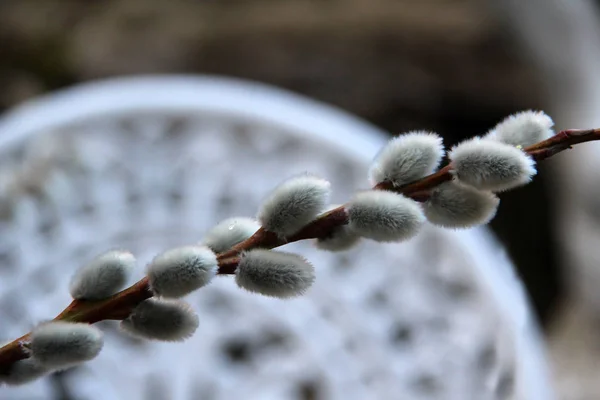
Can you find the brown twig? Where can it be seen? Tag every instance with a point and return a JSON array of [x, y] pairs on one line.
[[120, 305]]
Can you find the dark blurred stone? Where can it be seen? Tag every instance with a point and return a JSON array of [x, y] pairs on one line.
[[309, 390], [238, 350]]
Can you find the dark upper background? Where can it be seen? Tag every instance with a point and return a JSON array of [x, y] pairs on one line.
[[447, 65]]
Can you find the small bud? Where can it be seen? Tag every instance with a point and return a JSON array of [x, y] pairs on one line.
[[341, 238], [103, 276], [166, 320], [453, 205], [180, 271], [293, 204], [407, 158], [60, 344], [22, 372], [489, 165], [384, 216], [523, 129], [230, 232], [274, 273]]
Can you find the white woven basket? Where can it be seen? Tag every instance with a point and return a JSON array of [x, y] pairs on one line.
[[149, 163]]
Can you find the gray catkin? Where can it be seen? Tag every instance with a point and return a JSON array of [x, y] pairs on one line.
[[490, 165], [523, 129], [293, 204], [165, 320], [384, 216], [60, 344], [407, 158], [229, 232], [454, 205], [274, 273], [103, 276], [180, 271], [341, 238]]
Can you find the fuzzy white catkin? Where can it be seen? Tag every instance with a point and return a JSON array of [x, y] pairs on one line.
[[490, 165], [407, 158], [454, 205], [180, 271], [293, 204], [341, 238], [523, 129], [384, 216], [230, 232], [165, 320], [274, 273], [102, 277], [23, 371], [60, 344]]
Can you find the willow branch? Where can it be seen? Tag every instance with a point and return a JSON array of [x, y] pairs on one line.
[[120, 305]]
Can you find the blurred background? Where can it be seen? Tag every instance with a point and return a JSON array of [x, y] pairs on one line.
[[453, 66]]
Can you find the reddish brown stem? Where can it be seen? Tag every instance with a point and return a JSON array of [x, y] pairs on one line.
[[420, 186], [228, 266], [261, 238], [120, 305]]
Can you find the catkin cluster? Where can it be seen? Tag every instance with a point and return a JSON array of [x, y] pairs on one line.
[[480, 168]]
